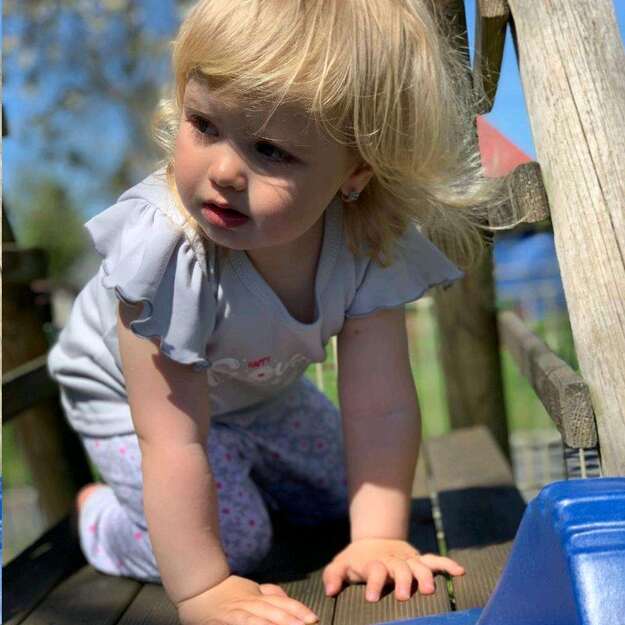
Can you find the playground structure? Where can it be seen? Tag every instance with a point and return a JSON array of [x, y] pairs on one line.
[[571, 60]]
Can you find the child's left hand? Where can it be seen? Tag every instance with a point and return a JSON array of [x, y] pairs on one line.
[[375, 560]]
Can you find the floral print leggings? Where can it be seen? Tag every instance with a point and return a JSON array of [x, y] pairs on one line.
[[286, 456]]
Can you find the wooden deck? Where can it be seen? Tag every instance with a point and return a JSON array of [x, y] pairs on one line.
[[464, 501]]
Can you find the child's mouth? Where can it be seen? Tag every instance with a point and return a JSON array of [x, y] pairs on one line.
[[223, 217]]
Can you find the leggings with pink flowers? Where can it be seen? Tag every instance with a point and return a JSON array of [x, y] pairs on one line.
[[287, 456]]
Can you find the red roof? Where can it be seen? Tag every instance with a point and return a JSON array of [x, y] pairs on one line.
[[499, 155]]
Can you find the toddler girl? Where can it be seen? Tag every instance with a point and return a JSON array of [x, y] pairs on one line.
[[306, 141]]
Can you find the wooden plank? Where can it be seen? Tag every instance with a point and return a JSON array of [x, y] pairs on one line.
[[528, 202], [39, 431], [310, 592], [352, 609], [480, 507], [571, 59], [150, 606], [479, 517], [483, 567], [466, 315], [297, 559], [298, 551], [23, 265], [490, 35], [465, 458], [26, 386], [29, 577], [7, 230], [527, 193], [295, 563], [86, 597], [563, 393]]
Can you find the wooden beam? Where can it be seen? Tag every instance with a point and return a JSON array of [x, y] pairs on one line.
[[480, 507], [23, 265], [491, 19], [53, 454], [38, 569], [571, 59], [563, 393], [25, 387], [469, 352], [8, 236], [87, 596], [528, 202]]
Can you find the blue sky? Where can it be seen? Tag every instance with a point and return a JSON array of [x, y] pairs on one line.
[[509, 116]]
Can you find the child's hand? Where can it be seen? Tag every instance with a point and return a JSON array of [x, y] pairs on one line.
[[374, 560], [240, 601]]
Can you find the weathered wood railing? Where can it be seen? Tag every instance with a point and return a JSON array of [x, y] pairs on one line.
[[576, 103], [571, 60], [52, 454]]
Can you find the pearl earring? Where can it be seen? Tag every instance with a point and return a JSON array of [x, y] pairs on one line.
[[352, 196]]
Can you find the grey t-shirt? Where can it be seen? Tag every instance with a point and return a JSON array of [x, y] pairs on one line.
[[214, 312]]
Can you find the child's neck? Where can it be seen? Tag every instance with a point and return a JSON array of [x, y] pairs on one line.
[[290, 271]]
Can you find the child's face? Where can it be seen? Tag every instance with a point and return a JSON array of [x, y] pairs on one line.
[[251, 191]]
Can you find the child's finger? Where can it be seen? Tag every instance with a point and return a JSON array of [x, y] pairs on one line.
[[280, 611], [376, 574], [423, 575], [333, 576], [292, 607], [402, 575], [441, 563], [243, 617], [272, 589]]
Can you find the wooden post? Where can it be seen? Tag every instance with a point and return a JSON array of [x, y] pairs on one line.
[[571, 59], [467, 320], [491, 19], [56, 464], [470, 355]]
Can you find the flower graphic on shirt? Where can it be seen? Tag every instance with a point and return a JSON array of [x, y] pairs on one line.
[[224, 365], [256, 371], [261, 374]]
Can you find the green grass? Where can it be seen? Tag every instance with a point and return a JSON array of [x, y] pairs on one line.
[[14, 470], [524, 410]]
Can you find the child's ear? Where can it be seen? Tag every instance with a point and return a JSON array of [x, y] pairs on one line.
[[357, 180]]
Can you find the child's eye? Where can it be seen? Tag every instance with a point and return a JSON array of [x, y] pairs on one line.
[[202, 125], [273, 153]]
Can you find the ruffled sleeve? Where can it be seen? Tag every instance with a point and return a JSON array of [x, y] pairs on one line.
[[417, 266], [148, 259]]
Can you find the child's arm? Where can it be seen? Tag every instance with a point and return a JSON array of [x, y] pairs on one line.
[[169, 403], [382, 427], [170, 409], [381, 421]]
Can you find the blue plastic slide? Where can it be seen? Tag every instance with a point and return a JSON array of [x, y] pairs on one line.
[[567, 564]]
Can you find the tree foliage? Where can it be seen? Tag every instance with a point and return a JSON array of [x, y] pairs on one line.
[[79, 59], [49, 220], [82, 71]]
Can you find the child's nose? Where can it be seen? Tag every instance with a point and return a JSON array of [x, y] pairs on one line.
[[227, 169]]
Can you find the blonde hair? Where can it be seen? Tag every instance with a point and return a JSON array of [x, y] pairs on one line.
[[380, 78]]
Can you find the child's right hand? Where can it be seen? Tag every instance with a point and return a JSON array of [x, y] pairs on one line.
[[240, 601]]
